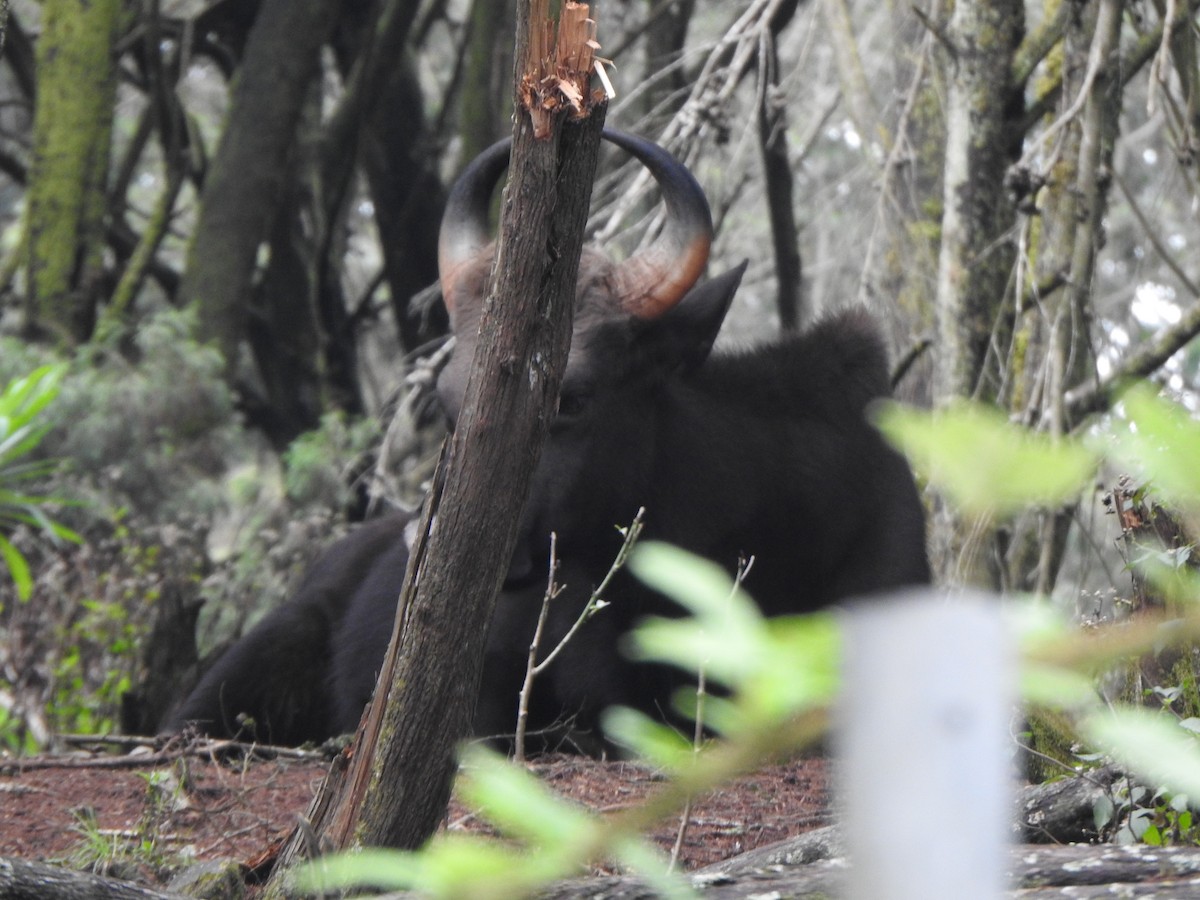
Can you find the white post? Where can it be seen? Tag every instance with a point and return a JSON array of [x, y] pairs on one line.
[[925, 755]]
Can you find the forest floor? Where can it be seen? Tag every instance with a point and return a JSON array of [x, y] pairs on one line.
[[142, 821]]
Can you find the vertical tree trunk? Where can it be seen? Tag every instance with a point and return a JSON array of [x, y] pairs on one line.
[[491, 459], [975, 262], [399, 782], [665, 36], [1055, 340], [72, 133], [981, 141], [901, 257], [487, 86], [246, 180], [777, 174], [399, 159]]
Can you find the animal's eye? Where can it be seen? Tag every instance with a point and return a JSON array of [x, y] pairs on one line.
[[573, 403]]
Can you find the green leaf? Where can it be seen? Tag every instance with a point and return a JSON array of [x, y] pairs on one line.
[[1151, 744], [801, 665], [643, 859], [1161, 438], [448, 866], [1057, 687], [775, 667], [983, 462], [18, 568], [518, 803], [23, 398], [725, 635], [648, 738]]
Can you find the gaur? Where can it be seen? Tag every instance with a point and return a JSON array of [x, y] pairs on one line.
[[765, 452]]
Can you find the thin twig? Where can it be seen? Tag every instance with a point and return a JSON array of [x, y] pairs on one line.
[[937, 31], [1153, 237], [595, 603], [1158, 66], [1096, 61], [553, 589], [685, 817]]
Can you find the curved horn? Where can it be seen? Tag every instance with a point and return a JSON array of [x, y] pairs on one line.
[[649, 283], [656, 278], [465, 232]]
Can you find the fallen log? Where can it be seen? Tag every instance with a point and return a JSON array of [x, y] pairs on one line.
[[22, 879], [1063, 812]]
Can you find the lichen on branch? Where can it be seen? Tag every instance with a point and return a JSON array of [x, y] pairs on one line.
[[558, 67]]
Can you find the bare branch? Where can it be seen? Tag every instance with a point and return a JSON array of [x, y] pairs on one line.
[[1153, 237], [553, 589], [685, 816], [1150, 356]]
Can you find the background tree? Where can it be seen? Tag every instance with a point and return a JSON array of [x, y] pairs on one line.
[[72, 130], [248, 272]]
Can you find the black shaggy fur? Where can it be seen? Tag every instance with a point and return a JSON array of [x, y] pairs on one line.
[[765, 452]]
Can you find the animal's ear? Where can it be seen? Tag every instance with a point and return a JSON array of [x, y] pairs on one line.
[[687, 332]]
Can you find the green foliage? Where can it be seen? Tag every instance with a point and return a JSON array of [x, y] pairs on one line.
[[149, 428], [105, 630], [23, 426], [1157, 746], [551, 838], [315, 462], [774, 668], [1163, 440], [987, 465], [15, 738], [984, 463], [128, 855]]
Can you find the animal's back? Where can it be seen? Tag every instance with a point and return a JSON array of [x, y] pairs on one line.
[[794, 473], [832, 370], [278, 674]]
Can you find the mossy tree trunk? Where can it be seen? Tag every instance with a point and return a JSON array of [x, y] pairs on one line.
[[901, 257], [1053, 347], [72, 136], [983, 137]]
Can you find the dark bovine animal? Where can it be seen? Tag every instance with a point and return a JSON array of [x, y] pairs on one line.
[[765, 452]]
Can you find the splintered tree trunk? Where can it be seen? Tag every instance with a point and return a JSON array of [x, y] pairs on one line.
[[72, 133], [400, 776], [525, 338]]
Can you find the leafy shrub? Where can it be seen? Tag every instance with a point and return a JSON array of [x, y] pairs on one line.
[[315, 465], [71, 652], [23, 426]]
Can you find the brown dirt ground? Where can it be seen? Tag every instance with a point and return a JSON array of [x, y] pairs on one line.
[[243, 810]]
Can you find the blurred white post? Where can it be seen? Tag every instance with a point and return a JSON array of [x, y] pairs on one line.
[[923, 730]]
